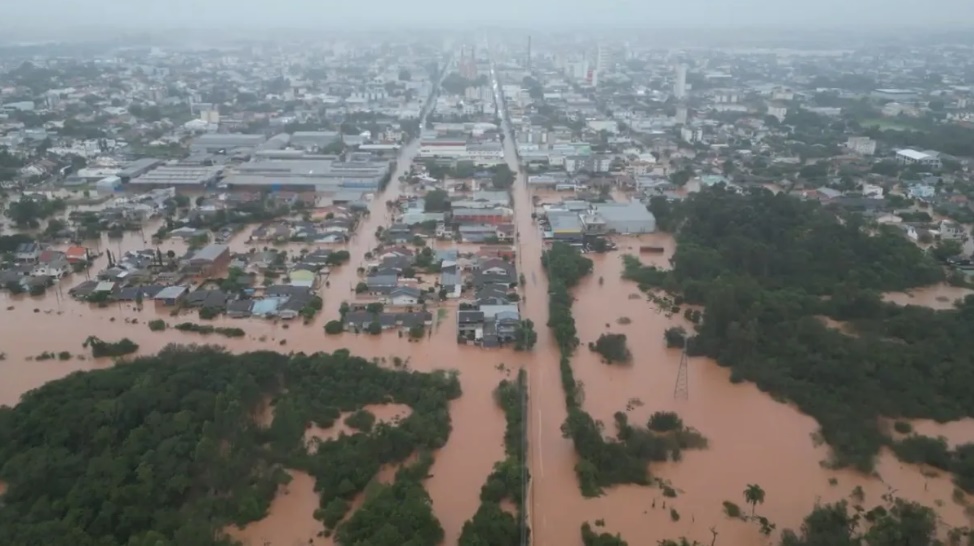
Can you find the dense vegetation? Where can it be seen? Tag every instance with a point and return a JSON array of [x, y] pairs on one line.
[[612, 347], [396, 514], [168, 450], [936, 453], [601, 463], [491, 525], [900, 523], [764, 266]]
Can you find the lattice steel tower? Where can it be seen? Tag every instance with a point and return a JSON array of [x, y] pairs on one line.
[[682, 389]]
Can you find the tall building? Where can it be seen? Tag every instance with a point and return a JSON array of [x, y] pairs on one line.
[[601, 64], [680, 83], [468, 62], [528, 63]]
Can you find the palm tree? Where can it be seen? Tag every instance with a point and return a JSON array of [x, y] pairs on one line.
[[754, 495]]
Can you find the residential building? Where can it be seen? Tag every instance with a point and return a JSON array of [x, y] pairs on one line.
[[861, 145], [208, 260], [927, 158]]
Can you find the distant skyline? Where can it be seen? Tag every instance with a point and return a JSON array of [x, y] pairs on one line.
[[25, 17]]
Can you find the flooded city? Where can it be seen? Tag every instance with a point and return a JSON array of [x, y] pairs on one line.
[[405, 285]]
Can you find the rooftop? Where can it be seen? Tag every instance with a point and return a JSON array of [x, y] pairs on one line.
[[210, 252], [179, 175]]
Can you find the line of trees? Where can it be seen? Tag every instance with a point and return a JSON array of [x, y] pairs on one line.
[[169, 450], [602, 462], [491, 525]]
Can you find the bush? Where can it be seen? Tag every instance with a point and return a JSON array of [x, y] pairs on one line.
[[362, 420], [334, 327], [64, 355], [675, 337], [100, 348], [338, 257], [157, 325], [665, 421], [732, 510], [375, 327], [613, 348], [417, 331], [674, 515], [902, 427], [207, 330]]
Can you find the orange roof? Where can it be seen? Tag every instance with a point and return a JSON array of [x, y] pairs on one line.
[[76, 252]]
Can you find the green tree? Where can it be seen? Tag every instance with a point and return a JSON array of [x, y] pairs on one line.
[[503, 177], [947, 248], [333, 327], [524, 336], [754, 495], [436, 201]]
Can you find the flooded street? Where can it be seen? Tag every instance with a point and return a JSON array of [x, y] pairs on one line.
[[460, 467], [753, 439]]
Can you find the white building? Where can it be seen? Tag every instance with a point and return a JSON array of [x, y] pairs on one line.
[[777, 111], [928, 158], [952, 231], [872, 191], [861, 145], [680, 82]]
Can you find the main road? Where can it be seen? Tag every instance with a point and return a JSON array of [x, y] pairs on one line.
[[342, 282], [551, 458]]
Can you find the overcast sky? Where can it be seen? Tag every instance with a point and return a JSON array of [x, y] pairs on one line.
[[147, 14]]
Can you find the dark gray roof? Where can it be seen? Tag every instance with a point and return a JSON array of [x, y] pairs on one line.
[[210, 252], [470, 317], [406, 291], [288, 290], [381, 280]]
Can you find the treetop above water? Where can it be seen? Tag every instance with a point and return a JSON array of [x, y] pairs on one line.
[[167, 450]]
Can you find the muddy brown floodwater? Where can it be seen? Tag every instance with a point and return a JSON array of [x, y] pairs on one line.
[[753, 439], [938, 296], [384, 413], [460, 467]]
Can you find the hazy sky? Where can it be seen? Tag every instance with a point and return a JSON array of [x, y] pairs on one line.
[[143, 14]]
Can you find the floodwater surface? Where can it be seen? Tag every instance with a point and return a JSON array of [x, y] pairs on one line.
[[752, 438], [291, 519], [938, 296], [460, 467], [384, 413]]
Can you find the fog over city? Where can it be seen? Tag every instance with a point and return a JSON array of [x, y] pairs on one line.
[[503, 273], [310, 14]]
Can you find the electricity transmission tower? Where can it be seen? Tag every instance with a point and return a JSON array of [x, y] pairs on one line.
[[682, 389]]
